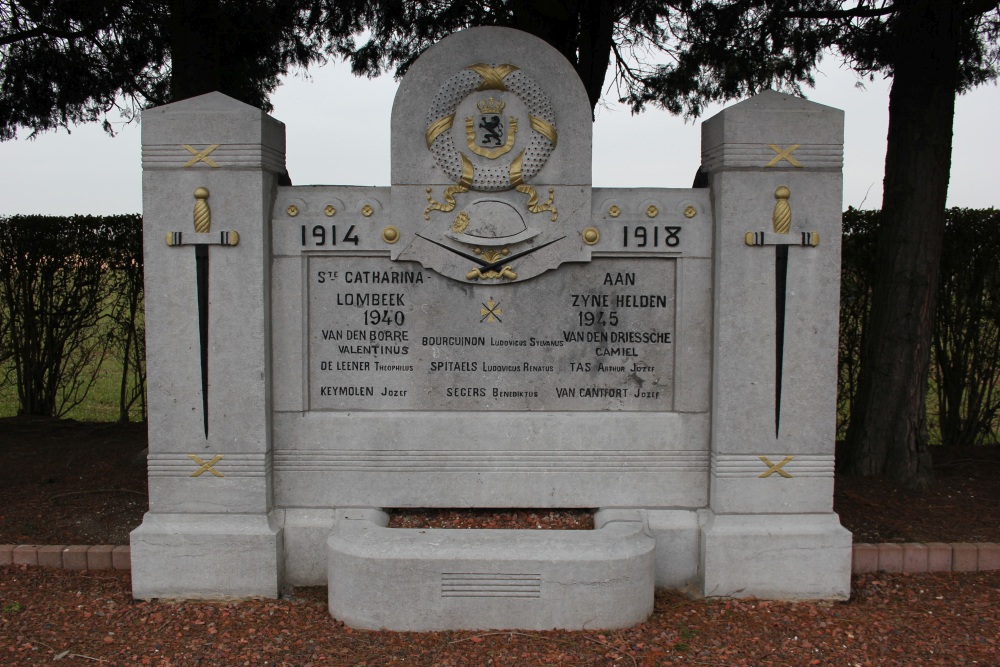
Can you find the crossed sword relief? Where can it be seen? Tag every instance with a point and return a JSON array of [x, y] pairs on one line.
[[206, 466]]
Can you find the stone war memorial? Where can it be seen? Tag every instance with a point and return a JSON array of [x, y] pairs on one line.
[[491, 331]]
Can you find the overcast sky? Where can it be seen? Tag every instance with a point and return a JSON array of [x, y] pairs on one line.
[[338, 134]]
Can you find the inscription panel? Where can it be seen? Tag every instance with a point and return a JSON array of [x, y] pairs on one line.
[[394, 336]]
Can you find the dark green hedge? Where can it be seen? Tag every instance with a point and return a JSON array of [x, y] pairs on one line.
[[964, 400], [70, 297]]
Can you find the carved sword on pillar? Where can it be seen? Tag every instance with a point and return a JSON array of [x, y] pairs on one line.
[[781, 221], [201, 239]]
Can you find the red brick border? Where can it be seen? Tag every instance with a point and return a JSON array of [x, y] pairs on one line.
[[77, 557], [889, 557], [99, 557], [915, 557], [25, 554], [938, 557], [50, 556], [989, 556], [929, 557], [865, 558], [121, 558]]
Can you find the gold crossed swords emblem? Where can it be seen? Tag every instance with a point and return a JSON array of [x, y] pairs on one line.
[[206, 466], [200, 155], [491, 311], [783, 154], [775, 467]]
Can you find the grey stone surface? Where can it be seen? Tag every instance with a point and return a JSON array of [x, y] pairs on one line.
[[330, 459], [693, 347], [193, 477], [304, 538], [744, 379], [686, 212], [338, 379], [206, 556], [744, 372], [742, 136], [290, 363], [677, 534], [421, 342], [739, 488], [573, 207], [772, 532], [419, 580], [345, 219], [247, 137], [412, 163], [549, 128], [776, 556]]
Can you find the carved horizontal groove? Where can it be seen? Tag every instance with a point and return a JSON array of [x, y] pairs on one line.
[[490, 585], [476, 461], [491, 595], [225, 472], [534, 576], [817, 156], [238, 156], [750, 465], [230, 465]]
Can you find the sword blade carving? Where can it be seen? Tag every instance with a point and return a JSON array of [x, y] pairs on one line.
[[780, 285], [201, 273], [781, 239], [782, 221], [201, 240], [202, 225]]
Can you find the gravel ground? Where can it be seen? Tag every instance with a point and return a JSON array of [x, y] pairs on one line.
[[89, 618], [77, 483]]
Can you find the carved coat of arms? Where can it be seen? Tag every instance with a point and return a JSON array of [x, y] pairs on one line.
[[490, 134], [509, 134]]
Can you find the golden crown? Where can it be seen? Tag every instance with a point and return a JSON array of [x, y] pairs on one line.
[[491, 106]]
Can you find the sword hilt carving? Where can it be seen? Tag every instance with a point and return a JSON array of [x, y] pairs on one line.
[[202, 225], [782, 217], [202, 213]]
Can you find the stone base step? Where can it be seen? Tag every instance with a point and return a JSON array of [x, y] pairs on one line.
[[437, 579]]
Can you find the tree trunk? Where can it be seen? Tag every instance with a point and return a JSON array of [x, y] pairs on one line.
[[888, 431], [582, 30], [195, 57], [597, 24]]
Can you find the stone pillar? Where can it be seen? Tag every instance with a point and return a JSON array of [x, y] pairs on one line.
[[774, 163], [210, 171]]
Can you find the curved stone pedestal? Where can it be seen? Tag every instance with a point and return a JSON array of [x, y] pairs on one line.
[[437, 579]]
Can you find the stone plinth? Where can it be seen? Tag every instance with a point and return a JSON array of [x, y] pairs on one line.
[[210, 168], [774, 165], [421, 580]]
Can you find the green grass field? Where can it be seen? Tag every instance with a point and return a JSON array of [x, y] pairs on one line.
[[100, 404]]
